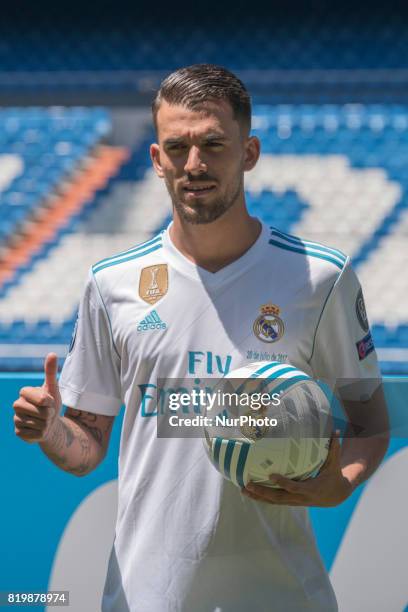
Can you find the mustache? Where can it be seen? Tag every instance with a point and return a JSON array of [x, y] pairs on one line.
[[199, 179]]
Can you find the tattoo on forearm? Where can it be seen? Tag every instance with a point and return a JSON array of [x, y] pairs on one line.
[[71, 443], [61, 461], [82, 468], [57, 439], [96, 433], [69, 436], [83, 417], [61, 439], [88, 419], [85, 446]]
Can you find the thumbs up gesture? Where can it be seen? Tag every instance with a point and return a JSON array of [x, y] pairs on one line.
[[37, 408]]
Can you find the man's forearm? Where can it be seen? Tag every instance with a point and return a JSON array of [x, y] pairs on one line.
[[72, 447], [360, 457], [366, 438]]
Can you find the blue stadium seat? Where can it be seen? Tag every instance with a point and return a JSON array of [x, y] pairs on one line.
[[50, 144]]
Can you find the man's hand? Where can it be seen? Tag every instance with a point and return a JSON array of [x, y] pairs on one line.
[[329, 488], [37, 408]]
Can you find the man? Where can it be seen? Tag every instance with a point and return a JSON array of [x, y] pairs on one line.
[[184, 304]]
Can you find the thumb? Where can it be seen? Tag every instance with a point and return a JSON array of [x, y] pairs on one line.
[[50, 371]]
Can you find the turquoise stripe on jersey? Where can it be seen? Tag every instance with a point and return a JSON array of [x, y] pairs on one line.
[[309, 243], [243, 454], [312, 250], [135, 256], [306, 251], [139, 247], [228, 457]]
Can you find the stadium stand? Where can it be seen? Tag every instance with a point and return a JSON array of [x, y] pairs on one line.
[[314, 51], [72, 191], [92, 215], [39, 148], [52, 162], [334, 173], [269, 37]]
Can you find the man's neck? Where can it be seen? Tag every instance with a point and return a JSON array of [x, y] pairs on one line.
[[213, 246]]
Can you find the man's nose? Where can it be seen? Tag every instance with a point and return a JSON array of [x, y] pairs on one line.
[[195, 163]]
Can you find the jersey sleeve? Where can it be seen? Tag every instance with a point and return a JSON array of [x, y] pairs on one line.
[[343, 352], [90, 378]]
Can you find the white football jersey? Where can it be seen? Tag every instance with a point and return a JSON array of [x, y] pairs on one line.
[[187, 539]]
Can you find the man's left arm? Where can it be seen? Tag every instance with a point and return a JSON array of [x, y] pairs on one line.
[[342, 357], [348, 464]]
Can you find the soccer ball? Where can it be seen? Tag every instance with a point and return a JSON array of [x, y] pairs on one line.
[[290, 436]]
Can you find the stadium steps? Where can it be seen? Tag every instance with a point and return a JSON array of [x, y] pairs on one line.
[[40, 149], [141, 209], [76, 193]]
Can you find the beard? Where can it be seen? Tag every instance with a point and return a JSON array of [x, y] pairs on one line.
[[198, 213]]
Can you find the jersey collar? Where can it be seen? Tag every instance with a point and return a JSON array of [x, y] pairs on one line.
[[215, 279]]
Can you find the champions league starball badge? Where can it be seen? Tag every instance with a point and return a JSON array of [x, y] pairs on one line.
[[269, 327], [361, 311]]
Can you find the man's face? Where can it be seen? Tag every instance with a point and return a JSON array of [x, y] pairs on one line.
[[202, 155]]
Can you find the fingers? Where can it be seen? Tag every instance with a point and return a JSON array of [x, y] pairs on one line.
[[37, 396], [27, 422], [293, 486], [23, 407], [289, 492], [28, 435], [273, 496], [50, 372], [35, 410], [29, 428]]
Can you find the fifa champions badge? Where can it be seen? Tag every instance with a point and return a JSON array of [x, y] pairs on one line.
[[154, 283]]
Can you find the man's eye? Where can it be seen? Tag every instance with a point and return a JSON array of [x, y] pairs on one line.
[[176, 147], [214, 144]]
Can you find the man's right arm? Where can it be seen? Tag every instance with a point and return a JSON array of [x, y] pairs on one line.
[[78, 441]]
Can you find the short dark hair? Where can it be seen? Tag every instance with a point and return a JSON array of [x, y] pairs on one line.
[[194, 85]]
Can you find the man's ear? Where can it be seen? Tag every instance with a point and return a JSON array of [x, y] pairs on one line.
[[155, 157], [252, 153]]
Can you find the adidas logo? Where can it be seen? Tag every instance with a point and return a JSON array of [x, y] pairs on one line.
[[151, 322]]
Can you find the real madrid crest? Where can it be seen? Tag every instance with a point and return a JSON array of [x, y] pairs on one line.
[[269, 327], [154, 283]]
